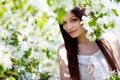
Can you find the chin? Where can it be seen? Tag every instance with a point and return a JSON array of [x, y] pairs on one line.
[[74, 36]]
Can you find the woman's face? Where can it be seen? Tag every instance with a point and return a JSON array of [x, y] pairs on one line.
[[72, 26]]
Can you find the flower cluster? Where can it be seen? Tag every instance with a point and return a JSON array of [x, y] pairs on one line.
[[113, 75], [100, 16], [27, 40]]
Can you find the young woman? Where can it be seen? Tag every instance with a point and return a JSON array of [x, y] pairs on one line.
[[81, 59]]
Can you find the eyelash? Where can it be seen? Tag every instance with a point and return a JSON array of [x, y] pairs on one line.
[[64, 23], [73, 20]]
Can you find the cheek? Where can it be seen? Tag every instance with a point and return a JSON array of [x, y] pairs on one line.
[[78, 26], [80, 29], [64, 28]]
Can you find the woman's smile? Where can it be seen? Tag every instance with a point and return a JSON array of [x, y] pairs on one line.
[[72, 32]]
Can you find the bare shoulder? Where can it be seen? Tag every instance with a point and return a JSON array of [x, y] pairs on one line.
[[62, 54], [61, 50], [61, 47]]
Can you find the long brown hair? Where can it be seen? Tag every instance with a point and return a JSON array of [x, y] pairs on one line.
[[71, 45], [106, 48]]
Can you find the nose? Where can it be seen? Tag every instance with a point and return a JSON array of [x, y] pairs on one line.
[[69, 26]]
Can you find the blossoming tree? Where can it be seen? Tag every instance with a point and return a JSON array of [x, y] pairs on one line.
[[27, 40], [29, 33]]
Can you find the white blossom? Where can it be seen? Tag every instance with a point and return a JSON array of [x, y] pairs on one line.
[[5, 61], [101, 11]]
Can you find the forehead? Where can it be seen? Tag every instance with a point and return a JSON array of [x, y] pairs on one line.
[[69, 15]]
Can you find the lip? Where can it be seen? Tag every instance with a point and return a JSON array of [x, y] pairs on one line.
[[71, 32]]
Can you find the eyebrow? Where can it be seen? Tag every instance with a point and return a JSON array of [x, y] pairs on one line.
[[72, 17]]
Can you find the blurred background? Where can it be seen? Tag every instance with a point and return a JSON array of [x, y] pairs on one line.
[[29, 38]]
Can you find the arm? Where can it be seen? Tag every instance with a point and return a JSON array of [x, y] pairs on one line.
[[63, 63]]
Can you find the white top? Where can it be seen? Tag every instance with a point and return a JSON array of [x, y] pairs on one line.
[[93, 67]]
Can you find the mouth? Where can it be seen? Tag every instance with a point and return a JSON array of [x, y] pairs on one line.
[[71, 32]]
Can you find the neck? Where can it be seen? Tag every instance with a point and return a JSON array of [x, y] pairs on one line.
[[82, 39], [86, 47]]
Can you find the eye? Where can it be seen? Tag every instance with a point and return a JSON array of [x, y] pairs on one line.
[[64, 23], [73, 20]]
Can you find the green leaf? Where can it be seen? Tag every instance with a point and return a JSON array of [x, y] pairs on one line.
[[115, 12], [112, 25], [40, 21], [35, 64], [114, 77], [12, 78], [60, 14], [50, 2], [27, 53], [28, 68], [44, 76], [98, 32], [2, 11], [19, 4], [92, 22], [74, 2], [1, 69], [12, 73], [32, 10], [14, 39], [87, 3], [105, 26], [117, 1], [47, 52], [102, 14], [102, 5]]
